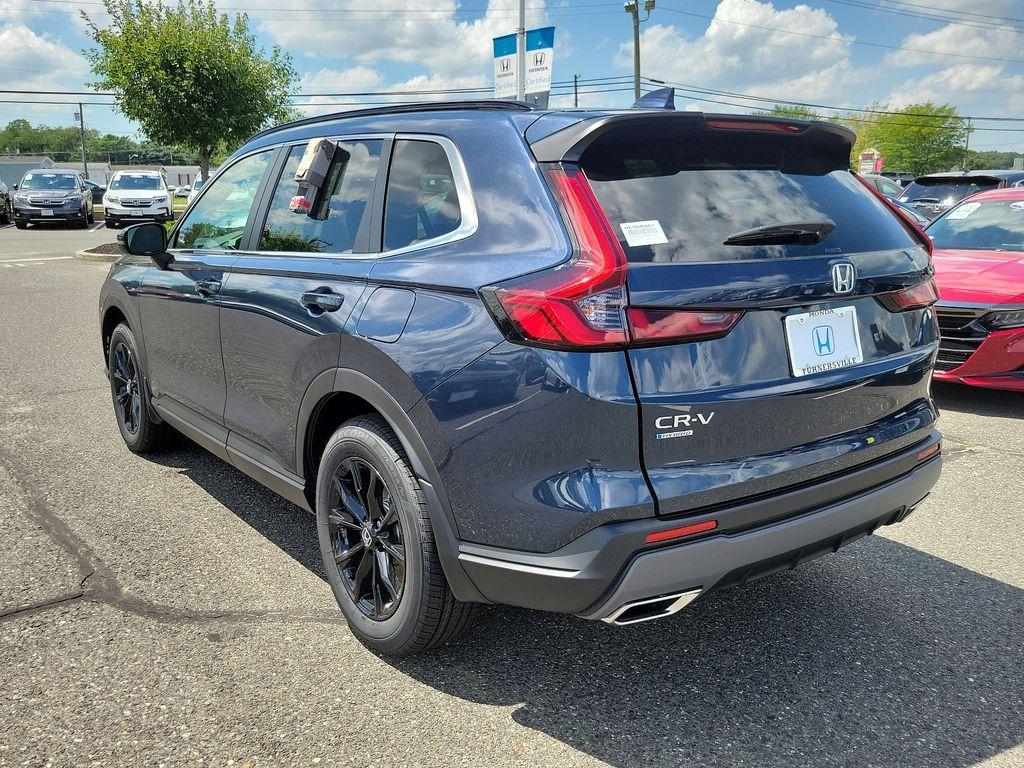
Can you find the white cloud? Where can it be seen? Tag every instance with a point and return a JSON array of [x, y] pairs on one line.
[[956, 39], [425, 32], [33, 62], [731, 56], [986, 83]]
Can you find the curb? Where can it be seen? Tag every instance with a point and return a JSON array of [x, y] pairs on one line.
[[106, 258]]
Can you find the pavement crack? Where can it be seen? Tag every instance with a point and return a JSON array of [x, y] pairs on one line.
[[42, 605], [99, 583]]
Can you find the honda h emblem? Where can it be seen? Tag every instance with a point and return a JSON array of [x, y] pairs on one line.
[[505, 65], [824, 340], [538, 59], [844, 277]]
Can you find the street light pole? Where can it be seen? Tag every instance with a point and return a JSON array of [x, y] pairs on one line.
[[576, 90], [633, 7], [81, 129], [521, 50]]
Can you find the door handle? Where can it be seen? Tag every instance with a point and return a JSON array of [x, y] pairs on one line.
[[322, 300], [208, 287]]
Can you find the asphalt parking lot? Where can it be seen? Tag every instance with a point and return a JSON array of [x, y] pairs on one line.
[[171, 611]]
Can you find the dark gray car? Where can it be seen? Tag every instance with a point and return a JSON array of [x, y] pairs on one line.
[[50, 194]]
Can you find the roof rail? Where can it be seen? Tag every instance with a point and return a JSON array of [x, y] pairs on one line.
[[390, 109]]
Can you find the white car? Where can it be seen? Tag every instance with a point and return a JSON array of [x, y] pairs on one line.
[[137, 196], [196, 186]]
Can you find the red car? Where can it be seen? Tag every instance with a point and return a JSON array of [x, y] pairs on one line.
[[979, 267]]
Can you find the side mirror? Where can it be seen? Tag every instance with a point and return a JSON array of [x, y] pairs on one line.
[[149, 239], [15, 187]]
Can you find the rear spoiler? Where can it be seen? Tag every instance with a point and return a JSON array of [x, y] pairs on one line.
[[566, 143]]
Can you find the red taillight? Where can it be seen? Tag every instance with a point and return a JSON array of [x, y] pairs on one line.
[[678, 533], [657, 325], [754, 125], [582, 303], [904, 218], [916, 297]]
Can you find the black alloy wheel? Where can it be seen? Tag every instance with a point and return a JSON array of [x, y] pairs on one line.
[[367, 539], [127, 388]]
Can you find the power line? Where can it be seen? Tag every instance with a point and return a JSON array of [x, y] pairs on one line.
[[839, 38], [768, 99], [936, 17]]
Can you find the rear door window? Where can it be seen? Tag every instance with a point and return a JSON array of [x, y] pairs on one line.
[[422, 200], [675, 201], [342, 212]]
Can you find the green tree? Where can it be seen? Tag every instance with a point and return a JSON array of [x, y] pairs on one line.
[[189, 76], [791, 110], [920, 138]]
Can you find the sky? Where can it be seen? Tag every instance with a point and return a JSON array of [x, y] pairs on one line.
[[842, 53]]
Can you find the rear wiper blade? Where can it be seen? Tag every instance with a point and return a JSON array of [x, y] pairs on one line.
[[800, 232]]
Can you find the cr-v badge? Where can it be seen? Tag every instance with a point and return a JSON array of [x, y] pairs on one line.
[[685, 420]]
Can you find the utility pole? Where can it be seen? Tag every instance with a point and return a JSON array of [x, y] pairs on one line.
[[633, 7], [81, 129], [576, 90], [967, 142], [521, 49]]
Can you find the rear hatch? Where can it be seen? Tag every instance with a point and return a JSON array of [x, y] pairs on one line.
[[934, 195], [762, 359]]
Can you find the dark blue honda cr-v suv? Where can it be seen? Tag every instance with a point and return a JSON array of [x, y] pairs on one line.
[[595, 362]]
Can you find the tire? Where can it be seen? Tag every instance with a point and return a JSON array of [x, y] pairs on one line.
[[141, 432], [110, 223], [91, 218], [21, 224], [416, 609]]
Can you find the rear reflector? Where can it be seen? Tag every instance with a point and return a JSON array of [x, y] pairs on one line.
[[754, 125], [659, 325], [916, 297], [678, 533], [931, 450]]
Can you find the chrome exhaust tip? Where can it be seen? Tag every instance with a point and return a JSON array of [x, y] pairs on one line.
[[651, 608]]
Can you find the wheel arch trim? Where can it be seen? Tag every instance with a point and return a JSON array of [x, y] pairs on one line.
[[352, 382]]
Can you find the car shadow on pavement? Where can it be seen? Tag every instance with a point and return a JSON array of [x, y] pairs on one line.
[[287, 526], [878, 655], [981, 402]]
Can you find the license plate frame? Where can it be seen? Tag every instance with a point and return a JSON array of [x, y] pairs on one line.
[[823, 340], [46, 211]]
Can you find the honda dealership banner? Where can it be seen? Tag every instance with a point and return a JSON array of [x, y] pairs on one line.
[[540, 45], [506, 65]]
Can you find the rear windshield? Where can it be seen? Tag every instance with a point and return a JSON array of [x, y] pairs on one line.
[[990, 225], [678, 200], [944, 193]]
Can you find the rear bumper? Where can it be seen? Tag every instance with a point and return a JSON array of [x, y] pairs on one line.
[[611, 567]]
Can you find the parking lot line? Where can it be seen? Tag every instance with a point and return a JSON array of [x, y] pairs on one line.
[[39, 258]]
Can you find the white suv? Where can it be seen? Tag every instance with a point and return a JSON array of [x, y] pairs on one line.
[[137, 196]]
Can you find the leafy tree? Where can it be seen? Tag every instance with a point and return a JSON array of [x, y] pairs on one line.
[[920, 138], [791, 110], [188, 75], [991, 160]]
